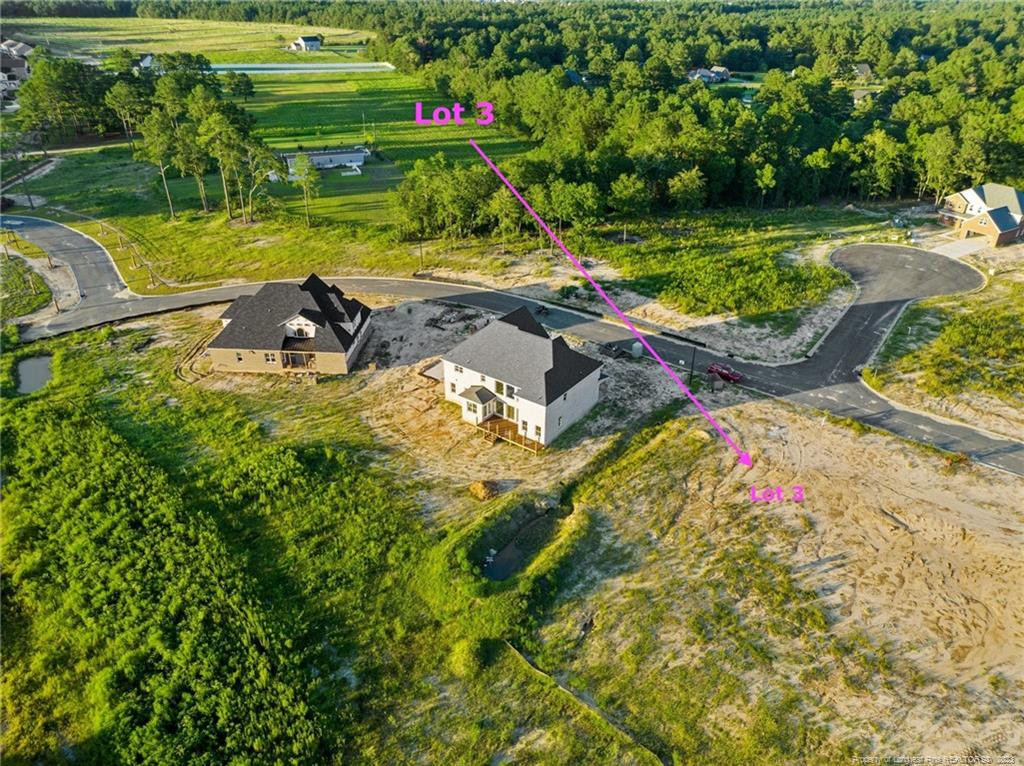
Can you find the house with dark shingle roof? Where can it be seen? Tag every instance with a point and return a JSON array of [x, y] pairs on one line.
[[995, 211], [514, 380], [290, 327]]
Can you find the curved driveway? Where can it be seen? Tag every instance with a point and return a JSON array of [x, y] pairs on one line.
[[888, 278]]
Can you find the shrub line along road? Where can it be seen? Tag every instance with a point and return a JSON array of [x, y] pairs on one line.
[[888, 278]]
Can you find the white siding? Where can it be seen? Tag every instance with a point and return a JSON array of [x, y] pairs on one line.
[[359, 342], [573, 405], [579, 399]]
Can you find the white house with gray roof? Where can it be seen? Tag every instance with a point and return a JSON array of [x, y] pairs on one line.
[[515, 381]]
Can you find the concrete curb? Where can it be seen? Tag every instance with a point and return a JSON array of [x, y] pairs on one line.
[[934, 416]]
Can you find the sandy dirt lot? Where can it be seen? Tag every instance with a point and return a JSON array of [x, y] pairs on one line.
[[924, 560], [929, 560], [408, 413]]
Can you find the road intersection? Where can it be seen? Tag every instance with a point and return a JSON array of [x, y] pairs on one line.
[[888, 277]]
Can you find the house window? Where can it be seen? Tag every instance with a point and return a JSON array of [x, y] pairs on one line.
[[451, 386], [300, 332], [270, 358], [536, 431], [458, 369], [526, 428], [238, 356], [565, 396], [483, 378], [559, 421], [470, 407], [511, 391], [499, 387]]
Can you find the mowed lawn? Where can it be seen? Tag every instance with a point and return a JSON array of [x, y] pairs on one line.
[[220, 41], [315, 111], [349, 109]]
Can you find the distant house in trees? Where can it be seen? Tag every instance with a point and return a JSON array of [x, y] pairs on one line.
[[862, 71], [144, 61], [306, 43], [14, 48], [708, 76], [575, 78], [14, 71], [517, 383], [325, 159], [289, 327], [994, 211], [859, 94]]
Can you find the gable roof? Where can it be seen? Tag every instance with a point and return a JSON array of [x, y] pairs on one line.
[[1002, 219], [17, 48], [516, 350], [1000, 195], [258, 321], [991, 197]]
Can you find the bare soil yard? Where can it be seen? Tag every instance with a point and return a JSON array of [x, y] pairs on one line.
[[409, 414], [918, 567]]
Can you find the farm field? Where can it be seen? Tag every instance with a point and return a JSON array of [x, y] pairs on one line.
[[314, 111], [221, 42], [326, 110]]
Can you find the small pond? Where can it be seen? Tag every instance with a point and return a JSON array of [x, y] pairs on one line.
[[34, 373], [525, 544]]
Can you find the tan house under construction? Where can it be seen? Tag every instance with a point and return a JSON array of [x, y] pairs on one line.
[[287, 327], [995, 211]]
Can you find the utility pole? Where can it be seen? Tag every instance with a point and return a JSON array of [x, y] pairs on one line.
[[24, 186]]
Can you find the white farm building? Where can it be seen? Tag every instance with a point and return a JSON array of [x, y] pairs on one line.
[[350, 160]]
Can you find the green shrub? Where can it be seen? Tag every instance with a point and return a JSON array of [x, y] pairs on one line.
[[467, 658]]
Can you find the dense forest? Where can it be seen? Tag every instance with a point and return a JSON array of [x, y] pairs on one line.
[[602, 90]]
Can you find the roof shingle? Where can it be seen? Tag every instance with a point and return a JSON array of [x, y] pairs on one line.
[[258, 321], [518, 351]]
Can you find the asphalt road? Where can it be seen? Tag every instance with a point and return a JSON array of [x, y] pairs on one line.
[[888, 277]]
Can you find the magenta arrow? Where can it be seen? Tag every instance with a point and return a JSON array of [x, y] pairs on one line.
[[743, 457]]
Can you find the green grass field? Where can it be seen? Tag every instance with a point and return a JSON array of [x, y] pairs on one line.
[[289, 530], [334, 109], [22, 292], [346, 109], [291, 111], [221, 42], [961, 343]]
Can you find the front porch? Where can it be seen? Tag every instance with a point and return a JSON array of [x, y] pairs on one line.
[[496, 427], [297, 355]]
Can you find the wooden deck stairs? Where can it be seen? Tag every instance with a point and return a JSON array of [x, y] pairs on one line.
[[496, 428]]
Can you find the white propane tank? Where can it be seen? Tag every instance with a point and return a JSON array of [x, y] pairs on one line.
[[637, 350]]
